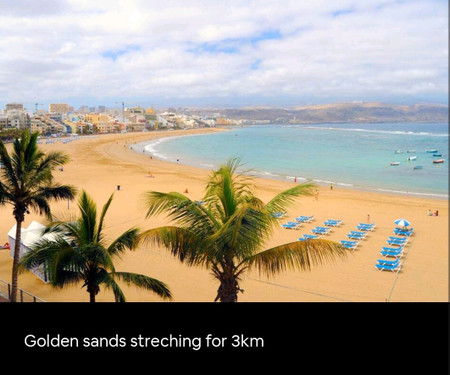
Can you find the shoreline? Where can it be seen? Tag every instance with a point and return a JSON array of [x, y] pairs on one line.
[[99, 164], [138, 148]]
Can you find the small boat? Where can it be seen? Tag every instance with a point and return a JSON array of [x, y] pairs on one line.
[[395, 163], [412, 158], [431, 151], [411, 151], [418, 167], [397, 152], [438, 161], [437, 155]]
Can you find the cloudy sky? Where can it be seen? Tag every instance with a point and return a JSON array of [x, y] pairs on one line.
[[222, 53]]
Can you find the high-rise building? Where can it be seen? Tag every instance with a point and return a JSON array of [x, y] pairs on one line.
[[58, 108]]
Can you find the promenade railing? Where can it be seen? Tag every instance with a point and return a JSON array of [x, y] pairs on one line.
[[22, 295]]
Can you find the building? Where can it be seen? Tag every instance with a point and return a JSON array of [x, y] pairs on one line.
[[58, 108], [14, 107]]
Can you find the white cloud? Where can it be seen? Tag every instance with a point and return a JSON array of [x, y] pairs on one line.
[[255, 50]]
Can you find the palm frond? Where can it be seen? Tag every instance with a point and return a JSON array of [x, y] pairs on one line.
[[145, 282], [286, 198], [181, 209], [300, 255], [88, 219], [184, 244], [110, 283], [102, 217], [126, 241]]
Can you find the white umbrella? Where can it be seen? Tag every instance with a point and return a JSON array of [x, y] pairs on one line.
[[402, 222]]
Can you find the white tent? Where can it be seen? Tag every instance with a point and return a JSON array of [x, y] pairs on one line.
[[29, 236]]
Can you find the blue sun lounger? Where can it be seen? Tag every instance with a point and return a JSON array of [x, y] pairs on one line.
[[385, 262], [310, 236], [395, 242], [356, 235], [279, 214], [320, 230], [402, 232], [392, 253], [305, 219], [352, 245], [333, 223], [291, 225], [386, 267], [366, 227]]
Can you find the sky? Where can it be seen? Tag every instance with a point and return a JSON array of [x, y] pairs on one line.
[[222, 53]]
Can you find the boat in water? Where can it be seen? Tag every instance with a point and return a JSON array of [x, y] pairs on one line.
[[412, 158], [397, 152], [395, 163], [431, 151], [418, 167], [438, 161], [411, 151], [437, 155]]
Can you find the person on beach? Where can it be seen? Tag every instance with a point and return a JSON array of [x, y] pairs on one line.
[[331, 186], [316, 195], [436, 213], [368, 218], [430, 213]]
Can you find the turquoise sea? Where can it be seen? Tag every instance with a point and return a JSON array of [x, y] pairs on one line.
[[347, 155]]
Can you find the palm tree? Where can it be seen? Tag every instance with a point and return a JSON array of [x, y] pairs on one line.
[[27, 183], [225, 231], [78, 252]]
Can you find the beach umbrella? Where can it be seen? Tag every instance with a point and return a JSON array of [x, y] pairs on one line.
[[402, 222]]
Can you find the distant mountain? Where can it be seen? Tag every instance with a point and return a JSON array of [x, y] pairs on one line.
[[336, 113]]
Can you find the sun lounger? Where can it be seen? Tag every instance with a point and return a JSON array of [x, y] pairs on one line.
[[366, 227], [310, 236], [388, 262], [352, 245], [402, 232], [321, 230], [305, 219], [395, 243], [385, 267], [291, 225], [333, 223], [354, 236], [392, 253], [279, 214], [385, 248]]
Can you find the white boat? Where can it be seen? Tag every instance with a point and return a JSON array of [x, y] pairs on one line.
[[411, 151], [395, 163], [438, 161], [412, 158]]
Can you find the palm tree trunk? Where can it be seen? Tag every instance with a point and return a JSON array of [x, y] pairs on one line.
[[14, 277], [92, 297], [228, 291]]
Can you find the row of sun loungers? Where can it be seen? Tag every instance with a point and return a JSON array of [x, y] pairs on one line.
[[319, 230], [395, 250], [355, 236]]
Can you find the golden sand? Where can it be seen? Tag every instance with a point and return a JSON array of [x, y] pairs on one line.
[[99, 164]]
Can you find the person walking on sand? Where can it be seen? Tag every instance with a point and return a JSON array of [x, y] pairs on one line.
[[316, 195], [368, 218]]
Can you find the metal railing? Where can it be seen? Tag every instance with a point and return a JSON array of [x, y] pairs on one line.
[[22, 295]]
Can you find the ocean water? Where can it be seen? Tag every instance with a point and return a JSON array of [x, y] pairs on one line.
[[347, 155]]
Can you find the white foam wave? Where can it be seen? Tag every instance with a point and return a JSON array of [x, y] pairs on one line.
[[397, 132]]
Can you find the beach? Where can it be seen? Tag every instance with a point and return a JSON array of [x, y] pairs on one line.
[[99, 164]]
